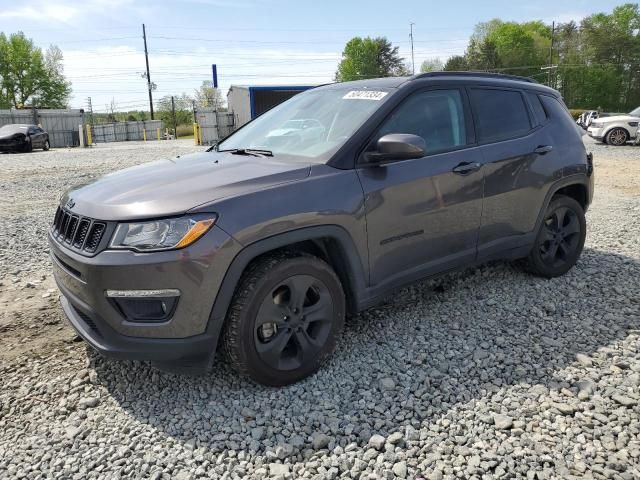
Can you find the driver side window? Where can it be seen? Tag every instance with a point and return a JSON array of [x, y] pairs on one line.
[[436, 115]]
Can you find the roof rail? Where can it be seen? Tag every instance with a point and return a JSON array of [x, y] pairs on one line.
[[502, 76]]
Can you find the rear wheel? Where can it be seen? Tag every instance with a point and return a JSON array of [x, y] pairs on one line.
[[560, 239], [284, 319], [617, 137], [28, 146]]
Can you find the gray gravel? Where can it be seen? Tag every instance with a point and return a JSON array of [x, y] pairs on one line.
[[487, 373]]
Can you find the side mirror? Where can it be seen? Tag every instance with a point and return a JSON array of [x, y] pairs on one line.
[[395, 147]]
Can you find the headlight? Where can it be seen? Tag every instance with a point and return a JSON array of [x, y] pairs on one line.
[[596, 124], [166, 234]]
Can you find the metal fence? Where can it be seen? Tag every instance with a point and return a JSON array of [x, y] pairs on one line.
[[62, 125], [213, 125], [126, 131]]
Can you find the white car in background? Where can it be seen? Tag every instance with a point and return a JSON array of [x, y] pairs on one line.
[[616, 130]]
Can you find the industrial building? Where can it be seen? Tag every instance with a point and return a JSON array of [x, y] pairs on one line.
[[249, 101]]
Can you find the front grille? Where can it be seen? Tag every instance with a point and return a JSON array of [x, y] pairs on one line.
[[82, 233], [94, 237]]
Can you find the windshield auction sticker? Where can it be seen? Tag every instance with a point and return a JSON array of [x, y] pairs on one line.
[[365, 95]]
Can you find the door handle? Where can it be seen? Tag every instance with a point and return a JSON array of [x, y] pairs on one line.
[[543, 149], [466, 167]]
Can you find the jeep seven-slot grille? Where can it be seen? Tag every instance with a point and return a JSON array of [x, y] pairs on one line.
[[83, 233]]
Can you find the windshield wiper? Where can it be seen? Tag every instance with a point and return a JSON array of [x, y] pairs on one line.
[[256, 152]]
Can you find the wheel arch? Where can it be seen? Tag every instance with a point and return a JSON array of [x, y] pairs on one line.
[[331, 243], [576, 186], [577, 191], [613, 127]]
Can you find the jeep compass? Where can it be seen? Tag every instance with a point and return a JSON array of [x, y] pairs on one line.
[[319, 208]]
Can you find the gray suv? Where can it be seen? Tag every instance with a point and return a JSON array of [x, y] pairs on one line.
[[318, 209]]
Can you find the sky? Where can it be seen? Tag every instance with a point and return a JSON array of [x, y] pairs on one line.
[[252, 42]]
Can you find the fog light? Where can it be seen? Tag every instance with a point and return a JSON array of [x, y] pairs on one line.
[[144, 305]]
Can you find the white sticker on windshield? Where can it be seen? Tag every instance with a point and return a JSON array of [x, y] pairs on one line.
[[365, 95]]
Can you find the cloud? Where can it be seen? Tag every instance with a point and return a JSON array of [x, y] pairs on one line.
[[63, 12], [43, 12], [107, 73]]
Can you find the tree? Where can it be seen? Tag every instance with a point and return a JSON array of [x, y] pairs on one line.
[[29, 77], [209, 97], [369, 58], [457, 63], [183, 107], [432, 65]]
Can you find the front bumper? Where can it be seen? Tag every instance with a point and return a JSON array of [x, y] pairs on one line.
[[11, 146], [185, 340], [596, 133]]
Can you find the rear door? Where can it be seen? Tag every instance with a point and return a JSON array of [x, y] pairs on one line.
[[519, 157], [423, 214]]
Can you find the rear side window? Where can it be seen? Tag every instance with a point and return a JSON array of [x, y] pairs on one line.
[[499, 114], [538, 110], [435, 115]]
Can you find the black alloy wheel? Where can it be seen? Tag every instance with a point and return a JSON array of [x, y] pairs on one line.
[[293, 322], [285, 317], [560, 238]]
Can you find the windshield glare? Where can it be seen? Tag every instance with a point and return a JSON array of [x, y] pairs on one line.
[[635, 113], [313, 124]]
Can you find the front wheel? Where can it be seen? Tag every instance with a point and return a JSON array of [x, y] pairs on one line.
[[28, 146], [560, 239], [46, 145], [284, 319], [617, 137]]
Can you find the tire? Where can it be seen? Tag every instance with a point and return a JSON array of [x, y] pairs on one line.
[[560, 239], [28, 146], [268, 335], [46, 146], [617, 137]]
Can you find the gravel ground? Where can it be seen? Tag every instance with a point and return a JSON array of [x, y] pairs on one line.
[[487, 373]]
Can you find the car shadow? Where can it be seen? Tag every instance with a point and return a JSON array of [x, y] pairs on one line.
[[442, 343]]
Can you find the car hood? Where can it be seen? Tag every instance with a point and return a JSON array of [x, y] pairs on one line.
[[11, 136], [172, 187], [616, 118]]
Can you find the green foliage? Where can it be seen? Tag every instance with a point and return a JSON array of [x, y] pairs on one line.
[[369, 58], [183, 110], [131, 116], [432, 65], [209, 97], [457, 63], [598, 60], [576, 112], [185, 130], [27, 76]]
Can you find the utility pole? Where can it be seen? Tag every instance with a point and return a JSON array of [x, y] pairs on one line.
[[553, 29], [413, 62], [146, 58], [173, 113], [90, 108]]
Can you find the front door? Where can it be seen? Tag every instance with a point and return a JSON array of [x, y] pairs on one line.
[[423, 215]]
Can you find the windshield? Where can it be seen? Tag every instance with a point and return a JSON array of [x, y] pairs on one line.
[[635, 113], [13, 129], [312, 125]]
